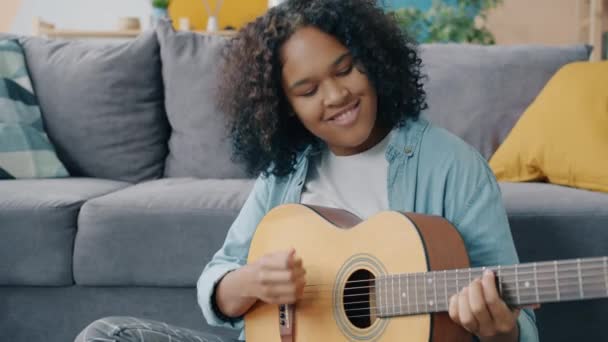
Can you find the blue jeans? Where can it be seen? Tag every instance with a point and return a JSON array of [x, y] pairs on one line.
[[131, 329]]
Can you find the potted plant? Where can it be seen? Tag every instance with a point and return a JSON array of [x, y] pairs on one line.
[[461, 21], [160, 8]]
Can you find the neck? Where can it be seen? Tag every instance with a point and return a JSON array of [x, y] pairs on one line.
[[518, 285], [378, 133]]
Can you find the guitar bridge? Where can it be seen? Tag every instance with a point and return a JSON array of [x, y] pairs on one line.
[[286, 322]]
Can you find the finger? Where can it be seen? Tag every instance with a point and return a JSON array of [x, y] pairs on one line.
[[477, 303], [498, 308], [453, 309], [291, 258], [291, 299], [467, 320], [503, 316], [296, 263], [276, 260], [284, 290], [285, 294], [280, 299], [269, 277]]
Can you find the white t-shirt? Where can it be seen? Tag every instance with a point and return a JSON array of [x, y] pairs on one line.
[[356, 183]]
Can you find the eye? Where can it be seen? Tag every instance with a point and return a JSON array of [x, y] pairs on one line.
[[345, 71], [310, 92]]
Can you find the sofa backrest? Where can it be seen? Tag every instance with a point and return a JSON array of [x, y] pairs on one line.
[[479, 92], [199, 145], [476, 92], [102, 105], [146, 109]]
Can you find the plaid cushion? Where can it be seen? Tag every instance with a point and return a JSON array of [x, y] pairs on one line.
[[25, 149]]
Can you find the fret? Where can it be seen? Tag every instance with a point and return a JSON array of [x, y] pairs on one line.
[[386, 307], [478, 272], [526, 279], [509, 286], [435, 290], [556, 281], [393, 294], [445, 284], [416, 292], [378, 290], [592, 276], [568, 279], [457, 285], [536, 284], [580, 278], [517, 284], [407, 289], [499, 276], [382, 304], [401, 311], [606, 273], [396, 296], [425, 300]]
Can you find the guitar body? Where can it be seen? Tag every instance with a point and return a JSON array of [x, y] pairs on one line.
[[336, 247]]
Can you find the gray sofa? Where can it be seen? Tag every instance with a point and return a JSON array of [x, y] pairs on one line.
[[153, 190]]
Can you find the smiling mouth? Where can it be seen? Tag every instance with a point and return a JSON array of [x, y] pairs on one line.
[[347, 116]]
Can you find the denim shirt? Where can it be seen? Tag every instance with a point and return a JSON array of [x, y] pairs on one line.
[[430, 172]]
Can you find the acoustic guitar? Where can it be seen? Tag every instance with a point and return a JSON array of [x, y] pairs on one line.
[[390, 278]]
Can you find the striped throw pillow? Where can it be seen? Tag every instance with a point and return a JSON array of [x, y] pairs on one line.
[[25, 149]]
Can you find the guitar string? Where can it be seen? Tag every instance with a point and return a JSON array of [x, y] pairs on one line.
[[463, 273], [574, 287], [505, 282], [389, 308]]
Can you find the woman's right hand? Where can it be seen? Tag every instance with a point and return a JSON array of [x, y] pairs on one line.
[[279, 278]]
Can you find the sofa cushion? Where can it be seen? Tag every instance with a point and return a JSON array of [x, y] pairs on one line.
[[102, 105], [479, 92], [157, 233], [199, 145], [25, 149], [562, 136], [38, 223], [556, 222]]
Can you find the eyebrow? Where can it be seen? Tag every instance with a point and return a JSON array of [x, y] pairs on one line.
[[336, 62]]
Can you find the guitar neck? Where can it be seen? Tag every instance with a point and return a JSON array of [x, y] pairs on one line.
[[529, 283]]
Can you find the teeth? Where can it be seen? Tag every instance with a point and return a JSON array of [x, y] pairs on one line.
[[345, 114]]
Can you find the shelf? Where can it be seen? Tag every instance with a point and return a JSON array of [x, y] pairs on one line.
[[89, 34]]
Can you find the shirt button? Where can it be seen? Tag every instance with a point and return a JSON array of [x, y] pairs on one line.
[[407, 150]]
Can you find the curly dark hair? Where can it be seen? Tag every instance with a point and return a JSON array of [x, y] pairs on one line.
[[265, 134]]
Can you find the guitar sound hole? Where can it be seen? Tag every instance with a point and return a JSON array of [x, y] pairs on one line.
[[358, 298]]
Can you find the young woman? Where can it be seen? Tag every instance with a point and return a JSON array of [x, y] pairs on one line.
[[324, 98]]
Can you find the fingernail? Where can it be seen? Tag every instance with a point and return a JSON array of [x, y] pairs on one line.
[[488, 272]]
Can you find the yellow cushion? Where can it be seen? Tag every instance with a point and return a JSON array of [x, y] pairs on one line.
[[563, 135]]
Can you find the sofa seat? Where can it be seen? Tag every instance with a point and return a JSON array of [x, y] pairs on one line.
[[550, 221], [157, 233], [556, 222], [38, 220]]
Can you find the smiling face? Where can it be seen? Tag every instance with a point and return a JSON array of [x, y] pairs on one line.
[[332, 98]]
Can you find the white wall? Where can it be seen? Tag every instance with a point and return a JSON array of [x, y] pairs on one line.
[[79, 14]]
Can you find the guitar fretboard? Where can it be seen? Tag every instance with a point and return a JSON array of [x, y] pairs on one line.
[[529, 283]]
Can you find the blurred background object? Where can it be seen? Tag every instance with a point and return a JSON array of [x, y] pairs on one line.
[[447, 21], [504, 22]]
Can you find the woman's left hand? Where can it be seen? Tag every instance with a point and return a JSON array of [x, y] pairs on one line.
[[480, 310]]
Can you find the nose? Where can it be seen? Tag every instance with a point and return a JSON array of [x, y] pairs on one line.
[[335, 93]]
